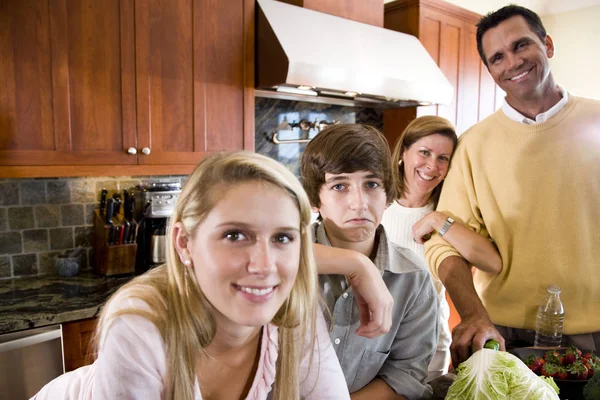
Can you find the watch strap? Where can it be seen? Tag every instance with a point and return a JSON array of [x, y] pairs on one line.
[[446, 226]]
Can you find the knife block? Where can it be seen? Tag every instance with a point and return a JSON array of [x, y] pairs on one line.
[[111, 259]]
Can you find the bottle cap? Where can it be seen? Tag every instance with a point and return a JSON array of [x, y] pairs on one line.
[[554, 289]]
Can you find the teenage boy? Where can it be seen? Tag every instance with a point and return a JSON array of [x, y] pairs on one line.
[[346, 172]]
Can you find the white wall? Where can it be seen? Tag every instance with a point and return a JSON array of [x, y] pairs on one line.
[[576, 36]]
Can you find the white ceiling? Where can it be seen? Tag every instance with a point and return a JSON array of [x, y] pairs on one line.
[[542, 7]]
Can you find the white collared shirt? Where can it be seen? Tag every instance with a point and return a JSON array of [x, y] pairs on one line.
[[517, 116]]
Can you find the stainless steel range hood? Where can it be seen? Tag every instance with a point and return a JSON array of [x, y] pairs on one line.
[[312, 56]]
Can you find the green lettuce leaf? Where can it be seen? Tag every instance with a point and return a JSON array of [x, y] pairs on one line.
[[493, 375]]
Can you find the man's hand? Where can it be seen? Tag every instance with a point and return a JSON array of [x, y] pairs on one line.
[[470, 335], [374, 301]]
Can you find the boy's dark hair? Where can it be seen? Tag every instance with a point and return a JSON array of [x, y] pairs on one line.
[[346, 148], [493, 19]]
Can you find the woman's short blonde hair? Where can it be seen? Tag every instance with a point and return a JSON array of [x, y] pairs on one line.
[[181, 312], [419, 128]]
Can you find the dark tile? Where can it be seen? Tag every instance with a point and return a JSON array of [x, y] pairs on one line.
[[83, 191], [48, 262], [35, 240], [25, 264], [83, 236], [20, 218], [72, 214], [33, 192], [47, 216], [5, 267], [3, 220], [61, 238], [9, 194], [58, 192], [10, 243], [89, 213]]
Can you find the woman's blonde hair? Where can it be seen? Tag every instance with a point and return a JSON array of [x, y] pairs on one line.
[[419, 128], [181, 312]]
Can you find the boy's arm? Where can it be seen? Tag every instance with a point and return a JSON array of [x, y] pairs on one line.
[[475, 248], [405, 369], [374, 301], [377, 389]]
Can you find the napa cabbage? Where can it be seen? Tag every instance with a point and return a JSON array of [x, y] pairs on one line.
[[493, 375]]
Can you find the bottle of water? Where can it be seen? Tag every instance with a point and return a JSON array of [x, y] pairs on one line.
[[550, 317]]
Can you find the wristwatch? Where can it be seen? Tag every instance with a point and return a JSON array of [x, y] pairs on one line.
[[447, 225]]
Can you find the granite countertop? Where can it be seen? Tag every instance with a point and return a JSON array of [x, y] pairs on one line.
[[34, 302]]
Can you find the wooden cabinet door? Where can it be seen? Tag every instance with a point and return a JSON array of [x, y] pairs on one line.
[[68, 69], [443, 36], [190, 78], [76, 343]]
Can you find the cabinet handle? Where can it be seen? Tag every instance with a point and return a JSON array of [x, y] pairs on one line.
[[132, 150], [146, 150]]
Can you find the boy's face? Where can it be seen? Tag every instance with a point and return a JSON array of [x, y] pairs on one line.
[[352, 205]]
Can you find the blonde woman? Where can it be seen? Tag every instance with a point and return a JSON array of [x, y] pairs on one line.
[[233, 313]]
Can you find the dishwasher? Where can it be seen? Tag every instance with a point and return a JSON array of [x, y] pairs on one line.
[[28, 360]]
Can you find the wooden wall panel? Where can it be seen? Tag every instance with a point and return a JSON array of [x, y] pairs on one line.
[[451, 49], [470, 93]]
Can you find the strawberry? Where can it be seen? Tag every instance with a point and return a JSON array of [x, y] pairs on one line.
[[568, 359], [553, 357], [578, 371], [534, 363], [587, 355], [573, 350], [591, 365], [555, 371]]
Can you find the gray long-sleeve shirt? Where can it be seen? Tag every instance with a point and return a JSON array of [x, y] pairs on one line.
[[401, 356]]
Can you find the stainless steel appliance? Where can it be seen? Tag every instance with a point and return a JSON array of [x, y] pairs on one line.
[[29, 360], [158, 202]]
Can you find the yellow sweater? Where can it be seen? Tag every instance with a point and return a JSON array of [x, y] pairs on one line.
[[535, 189]]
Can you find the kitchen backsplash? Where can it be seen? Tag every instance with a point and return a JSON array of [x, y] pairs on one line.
[[272, 113], [42, 218]]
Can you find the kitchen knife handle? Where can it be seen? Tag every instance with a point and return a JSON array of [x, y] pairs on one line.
[[103, 201], [110, 209]]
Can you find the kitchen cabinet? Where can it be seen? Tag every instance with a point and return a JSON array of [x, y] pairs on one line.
[[76, 343], [145, 87], [448, 33]]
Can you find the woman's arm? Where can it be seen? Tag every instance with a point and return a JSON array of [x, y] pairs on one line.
[[475, 248], [375, 303]]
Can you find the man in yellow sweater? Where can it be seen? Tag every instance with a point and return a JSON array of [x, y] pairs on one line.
[[528, 176]]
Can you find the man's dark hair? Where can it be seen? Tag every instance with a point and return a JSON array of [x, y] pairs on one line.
[[493, 19], [344, 149]]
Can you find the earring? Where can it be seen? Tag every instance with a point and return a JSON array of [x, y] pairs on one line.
[[188, 263], [400, 163]]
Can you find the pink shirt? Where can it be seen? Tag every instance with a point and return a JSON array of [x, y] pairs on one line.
[[131, 364]]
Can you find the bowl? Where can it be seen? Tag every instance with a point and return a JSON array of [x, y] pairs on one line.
[[569, 389]]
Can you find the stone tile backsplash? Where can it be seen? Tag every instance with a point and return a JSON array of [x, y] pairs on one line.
[[42, 218]]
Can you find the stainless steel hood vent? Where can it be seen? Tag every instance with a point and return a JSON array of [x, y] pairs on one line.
[[308, 55]]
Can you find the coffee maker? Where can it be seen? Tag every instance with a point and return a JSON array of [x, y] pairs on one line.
[[157, 200]]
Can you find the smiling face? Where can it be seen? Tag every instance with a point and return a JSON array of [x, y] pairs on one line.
[[518, 60], [426, 164], [246, 252], [352, 205]]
